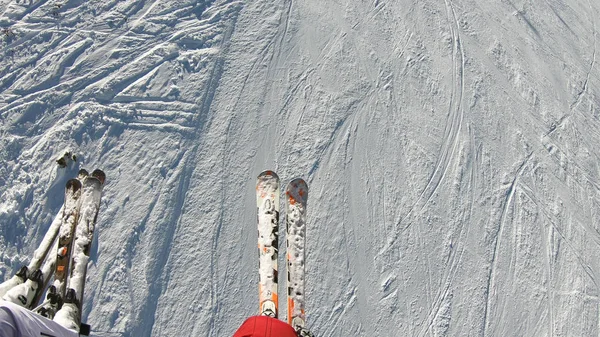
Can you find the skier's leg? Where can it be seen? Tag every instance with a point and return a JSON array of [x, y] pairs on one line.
[[8, 326]]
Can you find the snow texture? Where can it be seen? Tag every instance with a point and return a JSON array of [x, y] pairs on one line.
[[451, 148]]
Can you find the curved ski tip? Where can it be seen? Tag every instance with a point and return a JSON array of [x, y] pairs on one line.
[[99, 174], [268, 173], [298, 182], [73, 184]]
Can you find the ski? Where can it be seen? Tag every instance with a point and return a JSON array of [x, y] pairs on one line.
[[28, 293], [26, 273], [42, 254], [295, 209], [70, 216], [47, 271], [267, 201], [69, 314]]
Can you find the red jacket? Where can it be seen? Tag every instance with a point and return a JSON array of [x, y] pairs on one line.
[[265, 326]]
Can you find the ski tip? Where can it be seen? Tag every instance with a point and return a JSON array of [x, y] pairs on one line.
[[99, 174], [83, 173], [73, 184], [298, 183], [268, 173], [297, 191]]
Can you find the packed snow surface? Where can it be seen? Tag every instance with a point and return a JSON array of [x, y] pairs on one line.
[[450, 147]]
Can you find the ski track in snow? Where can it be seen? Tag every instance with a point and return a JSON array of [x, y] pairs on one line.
[[584, 87], [508, 202], [450, 150]]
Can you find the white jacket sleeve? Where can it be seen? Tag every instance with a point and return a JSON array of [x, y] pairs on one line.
[[16, 321]]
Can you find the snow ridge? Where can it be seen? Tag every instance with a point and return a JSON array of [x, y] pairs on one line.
[[450, 147]]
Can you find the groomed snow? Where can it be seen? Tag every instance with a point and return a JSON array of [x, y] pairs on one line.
[[451, 150]]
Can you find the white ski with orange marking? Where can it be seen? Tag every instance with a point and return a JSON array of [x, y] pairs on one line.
[[295, 208], [267, 202]]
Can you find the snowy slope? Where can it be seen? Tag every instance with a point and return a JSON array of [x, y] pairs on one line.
[[450, 148]]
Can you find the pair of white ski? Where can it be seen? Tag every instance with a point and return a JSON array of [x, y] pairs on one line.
[[70, 235], [267, 201]]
